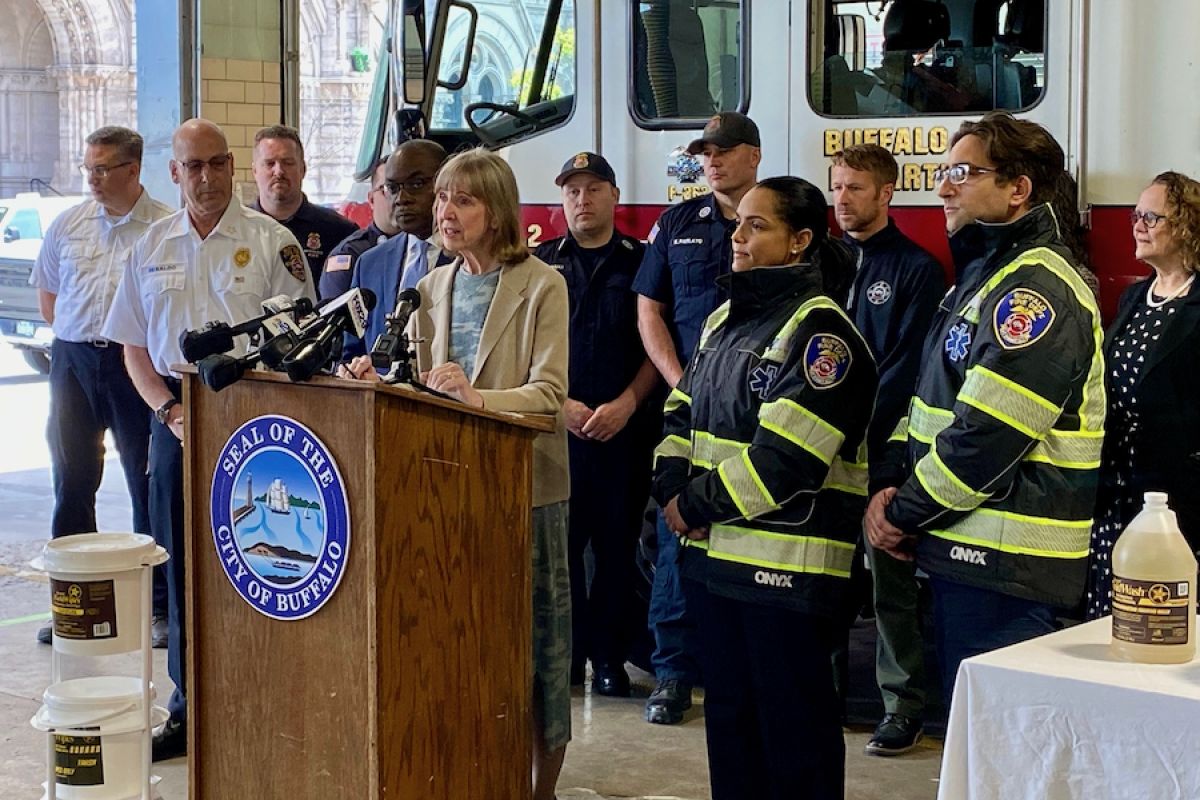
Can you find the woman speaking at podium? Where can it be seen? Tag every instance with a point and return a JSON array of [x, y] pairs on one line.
[[492, 332]]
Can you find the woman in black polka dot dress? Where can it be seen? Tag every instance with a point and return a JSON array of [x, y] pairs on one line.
[[1152, 358]]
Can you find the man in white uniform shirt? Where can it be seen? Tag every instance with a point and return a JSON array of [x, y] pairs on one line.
[[214, 259], [76, 273]]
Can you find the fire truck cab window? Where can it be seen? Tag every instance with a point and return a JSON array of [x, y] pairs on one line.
[[909, 57], [520, 73], [688, 60]]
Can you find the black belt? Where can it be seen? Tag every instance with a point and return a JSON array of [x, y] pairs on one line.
[[98, 344]]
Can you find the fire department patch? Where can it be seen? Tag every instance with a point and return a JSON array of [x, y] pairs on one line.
[[1021, 318], [241, 256], [826, 361], [581, 161], [314, 241], [293, 259]]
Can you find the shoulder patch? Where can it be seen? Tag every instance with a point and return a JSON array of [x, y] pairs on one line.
[[337, 263], [1021, 318], [826, 361], [293, 259]]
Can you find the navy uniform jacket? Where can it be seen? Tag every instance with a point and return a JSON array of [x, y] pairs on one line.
[[339, 264], [896, 292], [689, 249], [317, 229], [606, 351]]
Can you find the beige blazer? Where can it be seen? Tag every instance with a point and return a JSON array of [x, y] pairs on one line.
[[521, 364]]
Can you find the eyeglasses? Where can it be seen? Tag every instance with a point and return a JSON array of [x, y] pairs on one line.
[[216, 164], [957, 174], [100, 172], [1148, 218], [412, 186]]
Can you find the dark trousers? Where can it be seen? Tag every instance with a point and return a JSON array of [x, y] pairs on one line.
[[900, 649], [609, 487], [969, 621], [771, 713], [673, 623], [166, 520], [90, 392]]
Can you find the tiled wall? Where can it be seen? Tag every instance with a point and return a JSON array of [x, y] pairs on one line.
[[241, 96], [240, 75]]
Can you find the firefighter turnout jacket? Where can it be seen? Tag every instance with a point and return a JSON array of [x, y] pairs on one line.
[[764, 443], [1003, 436]]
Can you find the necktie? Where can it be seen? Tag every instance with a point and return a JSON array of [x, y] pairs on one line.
[[418, 264]]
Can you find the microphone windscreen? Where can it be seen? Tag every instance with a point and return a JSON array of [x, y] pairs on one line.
[[219, 371], [411, 296], [368, 298]]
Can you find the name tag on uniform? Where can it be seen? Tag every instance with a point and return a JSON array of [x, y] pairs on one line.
[[677, 242], [154, 269]]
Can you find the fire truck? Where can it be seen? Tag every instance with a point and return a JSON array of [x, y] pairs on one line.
[[1116, 81]]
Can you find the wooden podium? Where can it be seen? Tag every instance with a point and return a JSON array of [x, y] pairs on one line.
[[413, 680]]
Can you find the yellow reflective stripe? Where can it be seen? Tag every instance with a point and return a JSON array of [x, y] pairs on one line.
[[781, 551], [714, 321], [944, 486], [1021, 534], [672, 447], [1008, 401], [1069, 449], [781, 345], [925, 422], [900, 432], [675, 400], [801, 427], [709, 450], [845, 476], [744, 486]]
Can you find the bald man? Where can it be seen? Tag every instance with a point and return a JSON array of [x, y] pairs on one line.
[[178, 277]]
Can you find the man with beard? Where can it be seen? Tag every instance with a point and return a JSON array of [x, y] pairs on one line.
[[896, 291], [689, 249], [279, 170]]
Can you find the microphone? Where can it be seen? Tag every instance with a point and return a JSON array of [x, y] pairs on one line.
[[219, 370], [315, 347], [393, 342], [217, 337]]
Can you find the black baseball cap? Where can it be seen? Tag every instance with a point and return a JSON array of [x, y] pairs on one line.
[[586, 162], [727, 129]]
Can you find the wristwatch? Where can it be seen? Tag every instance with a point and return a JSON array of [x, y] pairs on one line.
[[162, 413]]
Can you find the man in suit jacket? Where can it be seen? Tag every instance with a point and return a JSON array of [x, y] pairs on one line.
[[405, 258]]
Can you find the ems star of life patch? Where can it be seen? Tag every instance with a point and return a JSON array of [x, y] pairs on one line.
[[293, 259], [826, 361], [1021, 318]]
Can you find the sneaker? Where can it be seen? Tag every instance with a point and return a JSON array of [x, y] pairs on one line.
[[668, 701], [896, 735], [158, 631]]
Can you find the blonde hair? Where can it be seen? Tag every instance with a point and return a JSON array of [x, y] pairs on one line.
[[487, 177]]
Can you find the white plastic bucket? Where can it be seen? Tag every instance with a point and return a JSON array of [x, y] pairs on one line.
[[96, 592], [99, 732]]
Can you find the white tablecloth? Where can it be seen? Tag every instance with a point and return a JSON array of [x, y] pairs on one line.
[[1057, 717]]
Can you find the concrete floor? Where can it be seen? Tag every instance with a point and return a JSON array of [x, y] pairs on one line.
[[614, 754]]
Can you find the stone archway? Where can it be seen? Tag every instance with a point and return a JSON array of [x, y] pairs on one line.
[[87, 50], [28, 99]]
